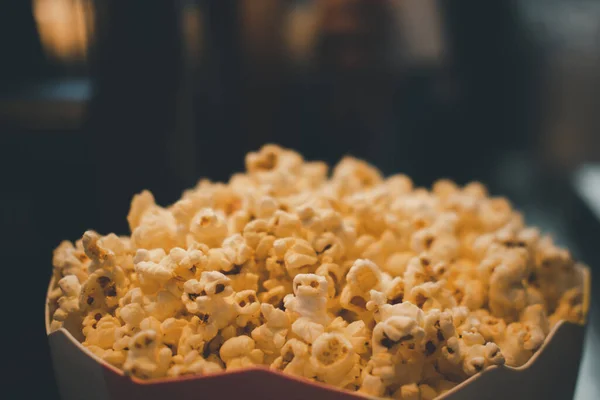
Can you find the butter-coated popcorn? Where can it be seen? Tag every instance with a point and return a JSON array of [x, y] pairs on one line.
[[469, 354], [271, 336], [275, 294], [371, 385], [396, 263], [114, 357], [308, 306], [247, 308], [100, 255], [362, 277], [334, 360], [193, 364], [397, 331], [172, 329], [70, 260], [300, 258], [519, 340], [295, 359], [102, 333], [209, 227], [507, 293], [194, 335], [408, 392], [438, 327], [355, 280], [239, 352], [151, 226], [211, 298], [146, 357], [151, 275], [570, 307], [357, 333], [236, 250], [68, 303], [163, 305], [103, 289], [334, 274]]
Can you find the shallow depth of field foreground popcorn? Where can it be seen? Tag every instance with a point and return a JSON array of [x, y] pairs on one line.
[[357, 281]]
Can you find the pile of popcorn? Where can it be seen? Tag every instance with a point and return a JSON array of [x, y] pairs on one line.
[[355, 280]]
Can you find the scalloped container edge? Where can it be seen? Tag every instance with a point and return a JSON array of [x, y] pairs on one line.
[[550, 373]]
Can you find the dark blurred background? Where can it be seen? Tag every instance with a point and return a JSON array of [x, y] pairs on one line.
[[101, 99]]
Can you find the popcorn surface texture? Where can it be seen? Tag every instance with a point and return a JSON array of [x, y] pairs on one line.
[[347, 278]]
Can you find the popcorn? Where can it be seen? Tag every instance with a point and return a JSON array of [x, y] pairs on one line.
[[100, 256], [194, 336], [570, 307], [236, 250], [519, 340], [151, 226], [372, 385], [356, 333], [438, 327], [431, 295], [308, 306], [358, 281], [163, 305], [114, 357], [239, 352], [257, 237], [396, 263], [172, 330], [270, 337], [193, 364], [555, 272], [299, 257], [70, 260], [395, 331], [334, 360], [361, 278], [247, 308], [68, 303], [186, 264], [329, 247], [507, 294], [294, 359], [334, 274], [352, 175], [469, 354], [209, 227], [276, 291], [272, 158], [210, 298], [101, 333], [146, 358], [408, 392], [151, 275], [103, 289], [284, 224]]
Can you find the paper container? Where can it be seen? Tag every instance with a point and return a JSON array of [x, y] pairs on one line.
[[550, 373]]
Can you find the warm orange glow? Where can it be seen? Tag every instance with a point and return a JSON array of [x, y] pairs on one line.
[[65, 27], [193, 31]]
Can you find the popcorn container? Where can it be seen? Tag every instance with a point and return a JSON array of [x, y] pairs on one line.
[[550, 373]]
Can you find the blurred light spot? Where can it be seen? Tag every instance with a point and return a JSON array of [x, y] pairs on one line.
[[300, 32], [193, 29], [587, 183], [65, 27], [67, 90]]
